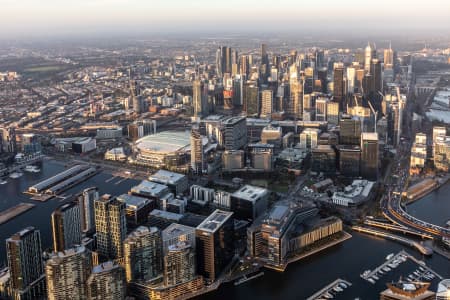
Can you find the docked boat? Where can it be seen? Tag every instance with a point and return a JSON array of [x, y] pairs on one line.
[[343, 285], [365, 273], [337, 289], [386, 269], [391, 255], [15, 175], [2, 182], [32, 169], [328, 296], [375, 277], [371, 280]]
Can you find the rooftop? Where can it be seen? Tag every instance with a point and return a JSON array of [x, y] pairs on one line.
[[166, 177], [148, 188], [250, 193], [166, 141], [371, 136], [133, 201], [175, 230], [213, 222], [166, 215]]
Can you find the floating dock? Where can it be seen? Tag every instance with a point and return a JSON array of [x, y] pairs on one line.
[[14, 211], [329, 289]]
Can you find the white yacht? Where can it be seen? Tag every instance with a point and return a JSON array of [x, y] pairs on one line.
[[15, 175]]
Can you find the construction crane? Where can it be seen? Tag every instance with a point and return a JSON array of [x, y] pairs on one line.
[[375, 113]]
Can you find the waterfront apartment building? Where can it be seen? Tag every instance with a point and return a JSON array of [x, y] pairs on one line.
[[214, 244], [67, 273], [66, 226], [143, 254], [24, 256], [107, 282], [179, 264], [86, 202], [177, 233], [111, 227]]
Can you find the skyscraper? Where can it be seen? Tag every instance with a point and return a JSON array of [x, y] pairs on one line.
[[67, 273], [214, 244], [66, 226], [369, 54], [179, 264], [295, 103], [389, 58], [369, 155], [86, 202], [111, 227], [198, 163], [339, 86], [266, 103], [143, 254], [200, 99], [251, 99], [24, 255], [107, 282]]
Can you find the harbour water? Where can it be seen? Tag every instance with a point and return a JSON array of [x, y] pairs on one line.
[[301, 279]]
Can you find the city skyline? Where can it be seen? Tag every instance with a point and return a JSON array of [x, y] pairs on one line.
[[51, 18]]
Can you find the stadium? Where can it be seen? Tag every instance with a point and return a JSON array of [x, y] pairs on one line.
[[164, 149]]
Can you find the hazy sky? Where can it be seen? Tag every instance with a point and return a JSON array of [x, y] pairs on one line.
[[53, 17]]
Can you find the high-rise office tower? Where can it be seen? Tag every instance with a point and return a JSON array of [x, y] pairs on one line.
[[369, 155], [389, 58], [321, 109], [266, 103], [350, 130], [238, 90], [235, 133], [179, 264], [24, 255], [376, 72], [224, 60], [333, 113], [143, 254], [214, 244], [66, 226], [111, 226], [369, 54], [200, 99], [351, 78], [198, 163], [107, 282], [265, 63], [67, 273], [251, 99], [295, 102], [322, 75], [86, 202], [339, 86], [244, 66]]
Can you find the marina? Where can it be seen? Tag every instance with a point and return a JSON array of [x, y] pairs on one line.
[[393, 261], [245, 278], [330, 290], [14, 211]]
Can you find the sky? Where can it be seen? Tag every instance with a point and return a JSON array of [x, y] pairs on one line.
[[67, 17]]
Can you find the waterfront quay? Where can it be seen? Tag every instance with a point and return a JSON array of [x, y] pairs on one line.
[[14, 211], [318, 247]]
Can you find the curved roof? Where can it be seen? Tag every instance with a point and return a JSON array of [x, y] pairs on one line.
[[165, 142]]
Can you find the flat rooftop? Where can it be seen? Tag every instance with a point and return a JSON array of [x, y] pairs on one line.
[[133, 201], [166, 215], [371, 136], [250, 193], [214, 221], [166, 177], [149, 188], [175, 230]]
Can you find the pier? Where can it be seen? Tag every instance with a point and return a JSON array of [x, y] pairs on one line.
[[14, 211], [328, 289], [422, 264], [422, 249], [385, 264]]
